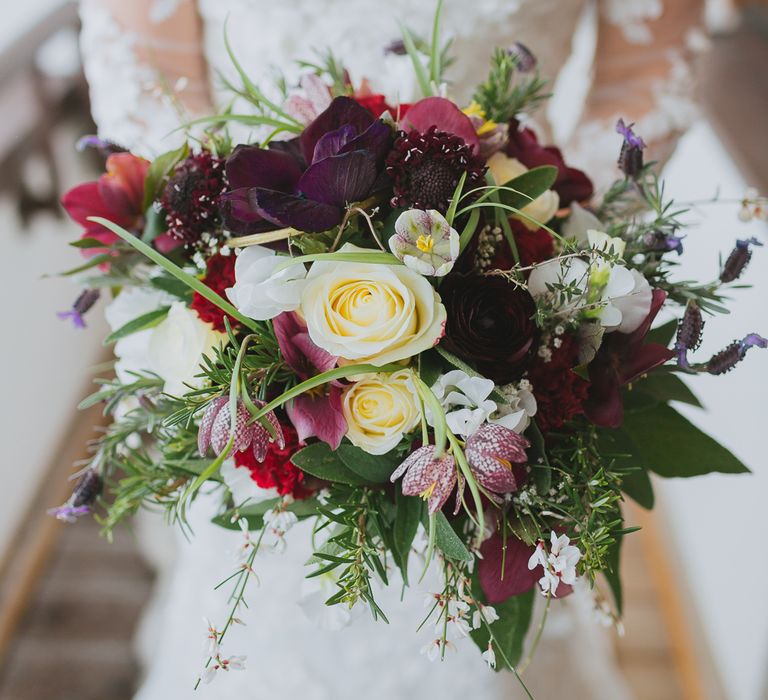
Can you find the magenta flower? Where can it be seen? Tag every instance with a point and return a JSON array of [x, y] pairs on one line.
[[430, 477], [493, 452], [216, 430], [317, 413]]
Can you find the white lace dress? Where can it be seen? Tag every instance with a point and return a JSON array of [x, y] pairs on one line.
[[289, 656]]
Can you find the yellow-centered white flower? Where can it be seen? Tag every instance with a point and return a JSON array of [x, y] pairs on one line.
[[379, 410], [362, 312], [542, 209]]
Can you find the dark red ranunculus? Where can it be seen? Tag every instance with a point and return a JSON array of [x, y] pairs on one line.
[[572, 185], [490, 324], [622, 358]]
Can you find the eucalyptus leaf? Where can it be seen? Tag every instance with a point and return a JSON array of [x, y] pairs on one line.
[[373, 468], [448, 542]]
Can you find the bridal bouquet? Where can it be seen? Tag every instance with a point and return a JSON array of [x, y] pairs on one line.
[[410, 323]]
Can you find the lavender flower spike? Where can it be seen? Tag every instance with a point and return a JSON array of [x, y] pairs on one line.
[[738, 260], [689, 332], [631, 154], [630, 137], [82, 304], [83, 496], [725, 360]]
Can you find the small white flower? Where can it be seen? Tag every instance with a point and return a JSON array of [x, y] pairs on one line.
[[425, 242], [484, 614], [211, 647], [489, 656], [465, 400], [559, 564], [520, 407], [233, 663], [260, 292], [433, 649], [279, 521]]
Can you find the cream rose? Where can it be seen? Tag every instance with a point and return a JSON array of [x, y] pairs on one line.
[[542, 209], [379, 410], [370, 313]]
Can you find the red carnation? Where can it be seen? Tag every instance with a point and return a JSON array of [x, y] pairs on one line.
[[277, 471], [219, 276], [560, 392]]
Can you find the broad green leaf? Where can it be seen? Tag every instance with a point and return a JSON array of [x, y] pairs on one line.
[[527, 186], [373, 468], [430, 367], [637, 485], [448, 542], [613, 573], [148, 320], [254, 514], [617, 445], [509, 630], [665, 386], [172, 286], [670, 445], [662, 334], [408, 515], [159, 170], [320, 461], [87, 243]]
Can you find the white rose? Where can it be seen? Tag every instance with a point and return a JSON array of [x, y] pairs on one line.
[[176, 348], [259, 291], [370, 313], [379, 410], [542, 209]]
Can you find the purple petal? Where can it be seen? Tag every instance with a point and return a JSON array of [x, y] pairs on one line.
[[239, 216], [291, 210], [260, 442], [446, 480], [319, 416], [422, 454], [297, 348], [77, 318], [341, 179], [221, 430], [251, 166], [342, 111], [292, 148], [376, 139], [445, 116], [331, 143], [206, 423], [516, 577], [498, 441]]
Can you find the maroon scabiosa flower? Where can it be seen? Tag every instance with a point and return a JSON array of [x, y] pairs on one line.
[[216, 430], [190, 200], [490, 324]]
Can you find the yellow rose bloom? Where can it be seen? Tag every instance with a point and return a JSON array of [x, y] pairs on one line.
[[361, 312], [379, 410]]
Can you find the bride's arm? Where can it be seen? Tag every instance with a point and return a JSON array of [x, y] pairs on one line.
[[145, 68], [643, 72]]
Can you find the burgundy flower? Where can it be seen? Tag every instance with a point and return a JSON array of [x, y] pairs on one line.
[[219, 276], [118, 195], [430, 477], [190, 200], [571, 185], [344, 147], [490, 324], [317, 413], [492, 452], [216, 430], [622, 357], [515, 578], [437, 144]]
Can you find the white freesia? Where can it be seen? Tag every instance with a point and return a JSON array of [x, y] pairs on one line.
[[465, 401], [579, 222], [542, 209], [173, 349], [362, 312], [260, 292], [379, 410]]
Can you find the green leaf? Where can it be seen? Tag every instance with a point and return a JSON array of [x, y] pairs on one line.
[[613, 573], [322, 462], [148, 320], [540, 467], [374, 257], [637, 485], [509, 630], [664, 387], [254, 514], [447, 541], [170, 267], [154, 225], [87, 243], [410, 510], [430, 367], [92, 262], [635, 482], [670, 445], [527, 186], [469, 229], [373, 468], [418, 67], [160, 168], [662, 334], [172, 286]]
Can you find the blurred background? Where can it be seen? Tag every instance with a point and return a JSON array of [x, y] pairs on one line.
[[696, 616]]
